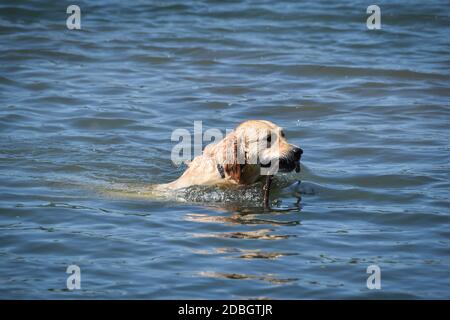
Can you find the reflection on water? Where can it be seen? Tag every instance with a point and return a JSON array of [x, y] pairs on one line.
[[239, 218], [236, 276], [246, 254], [246, 217], [262, 234]]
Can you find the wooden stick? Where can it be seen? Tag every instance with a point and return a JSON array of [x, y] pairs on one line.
[[266, 191]]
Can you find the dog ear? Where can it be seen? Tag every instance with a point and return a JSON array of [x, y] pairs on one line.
[[232, 167], [234, 156]]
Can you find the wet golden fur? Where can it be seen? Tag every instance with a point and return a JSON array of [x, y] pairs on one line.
[[240, 153]]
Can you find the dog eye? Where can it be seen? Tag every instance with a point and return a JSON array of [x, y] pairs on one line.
[[282, 134], [269, 139]]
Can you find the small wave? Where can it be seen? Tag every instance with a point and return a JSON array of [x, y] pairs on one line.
[[234, 197], [100, 123]]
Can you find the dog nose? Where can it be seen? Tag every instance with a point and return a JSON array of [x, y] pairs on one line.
[[297, 152]]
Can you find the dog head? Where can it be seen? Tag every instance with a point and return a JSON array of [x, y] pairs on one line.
[[257, 143]]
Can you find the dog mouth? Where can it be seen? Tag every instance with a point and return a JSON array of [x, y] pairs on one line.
[[297, 167], [285, 165]]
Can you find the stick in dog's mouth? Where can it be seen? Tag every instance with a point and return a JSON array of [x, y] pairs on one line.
[[268, 183], [266, 191]]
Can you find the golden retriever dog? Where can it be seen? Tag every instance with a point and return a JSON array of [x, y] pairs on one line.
[[254, 149]]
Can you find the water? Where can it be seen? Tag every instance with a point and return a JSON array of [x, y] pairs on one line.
[[86, 118]]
